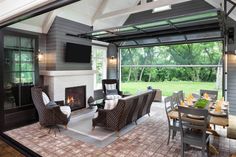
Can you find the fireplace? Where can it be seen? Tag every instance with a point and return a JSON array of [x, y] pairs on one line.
[[75, 97]]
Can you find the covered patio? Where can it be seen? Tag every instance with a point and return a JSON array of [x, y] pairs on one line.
[[65, 66]]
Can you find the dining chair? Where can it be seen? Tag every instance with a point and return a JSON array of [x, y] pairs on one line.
[[193, 126], [174, 101], [213, 94], [173, 125], [196, 96], [180, 96]]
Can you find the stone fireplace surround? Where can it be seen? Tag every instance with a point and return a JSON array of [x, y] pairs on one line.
[[57, 81]]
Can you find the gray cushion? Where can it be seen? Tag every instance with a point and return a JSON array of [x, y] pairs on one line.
[[112, 92]]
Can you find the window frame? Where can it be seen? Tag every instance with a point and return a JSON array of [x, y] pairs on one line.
[[104, 58]]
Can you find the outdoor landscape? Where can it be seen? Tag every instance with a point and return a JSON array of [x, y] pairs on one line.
[[187, 67]]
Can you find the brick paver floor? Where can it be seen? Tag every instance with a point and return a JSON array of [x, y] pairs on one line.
[[148, 138]]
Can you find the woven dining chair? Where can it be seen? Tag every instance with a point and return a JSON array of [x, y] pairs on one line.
[[172, 123], [193, 131]]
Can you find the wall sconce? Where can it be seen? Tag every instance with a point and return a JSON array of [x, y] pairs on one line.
[[112, 57], [40, 56], [112, 60]]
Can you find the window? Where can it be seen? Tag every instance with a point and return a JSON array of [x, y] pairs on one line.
[[99, 63], [19, 70]]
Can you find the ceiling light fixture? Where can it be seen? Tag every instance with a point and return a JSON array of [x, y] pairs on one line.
[[160, 9]]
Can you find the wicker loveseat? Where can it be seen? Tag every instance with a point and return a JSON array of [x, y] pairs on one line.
[[128, 109]]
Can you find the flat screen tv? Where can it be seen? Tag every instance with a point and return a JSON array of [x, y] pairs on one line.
[[77, 53]]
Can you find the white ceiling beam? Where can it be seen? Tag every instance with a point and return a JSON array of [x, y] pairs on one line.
[[48, 21], [100, 10], [139, 8]]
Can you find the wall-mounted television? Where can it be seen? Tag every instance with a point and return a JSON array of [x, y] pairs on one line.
[[78, 53]]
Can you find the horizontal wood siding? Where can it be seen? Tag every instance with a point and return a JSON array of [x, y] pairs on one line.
[[231, 84], [56, 41]]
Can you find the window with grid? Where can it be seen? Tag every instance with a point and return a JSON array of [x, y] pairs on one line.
[[99, 63]]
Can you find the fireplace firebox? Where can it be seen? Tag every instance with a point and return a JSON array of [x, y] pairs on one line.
[[75, 97]]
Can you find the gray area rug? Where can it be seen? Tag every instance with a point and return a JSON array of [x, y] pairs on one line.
[[80, 128]]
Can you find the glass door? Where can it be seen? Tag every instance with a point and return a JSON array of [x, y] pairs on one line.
[[19, 70]]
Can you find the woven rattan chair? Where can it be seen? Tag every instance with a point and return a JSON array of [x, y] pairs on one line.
[[48, 116]]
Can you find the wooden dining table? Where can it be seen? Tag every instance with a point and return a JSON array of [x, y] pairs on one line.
[[214, 120]]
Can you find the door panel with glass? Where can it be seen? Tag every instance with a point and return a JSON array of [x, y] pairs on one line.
[[19, 70]]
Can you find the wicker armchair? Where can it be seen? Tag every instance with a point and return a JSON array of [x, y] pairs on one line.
[[111, 81], [47, 116]]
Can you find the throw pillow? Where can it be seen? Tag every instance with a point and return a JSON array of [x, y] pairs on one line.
[[110, 86], [112, 97], [110, 104], [46, 99]]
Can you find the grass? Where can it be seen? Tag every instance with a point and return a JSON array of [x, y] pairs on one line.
[[168, 87]]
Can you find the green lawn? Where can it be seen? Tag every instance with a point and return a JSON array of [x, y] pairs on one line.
[[168, 87]]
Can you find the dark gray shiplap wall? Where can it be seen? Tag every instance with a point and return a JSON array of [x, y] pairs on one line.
[[56, 40], [112, 65], [231, 83], [232, 23], [177, 10]]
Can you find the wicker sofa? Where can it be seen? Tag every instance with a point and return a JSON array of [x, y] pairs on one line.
[[129, 109]]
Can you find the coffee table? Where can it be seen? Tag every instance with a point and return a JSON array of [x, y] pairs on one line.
[[99, 103]]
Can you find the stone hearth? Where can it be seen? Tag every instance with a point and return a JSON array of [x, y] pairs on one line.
[[58, 81]]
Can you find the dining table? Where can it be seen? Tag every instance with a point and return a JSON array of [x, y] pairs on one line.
[[214, 119]]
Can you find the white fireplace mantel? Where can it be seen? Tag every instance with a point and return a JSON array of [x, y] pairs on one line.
[[57, 81], [67, 73]]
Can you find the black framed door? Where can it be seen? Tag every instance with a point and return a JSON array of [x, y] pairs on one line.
[[19, 74]]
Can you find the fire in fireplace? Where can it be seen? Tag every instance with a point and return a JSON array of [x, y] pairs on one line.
[[75, 97]]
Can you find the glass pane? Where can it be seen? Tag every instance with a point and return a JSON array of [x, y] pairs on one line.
[[125, 29], [27, 66], [11, 41], [15, 77], [27, 43], [194, 17], [26, 56], [153, 24], [172, 38], [27, 77], [11, 61], [148, 41], [99, 33]]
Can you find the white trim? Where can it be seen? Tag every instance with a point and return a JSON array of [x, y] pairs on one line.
[[67, 73], [48, 21], [99, 10]]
